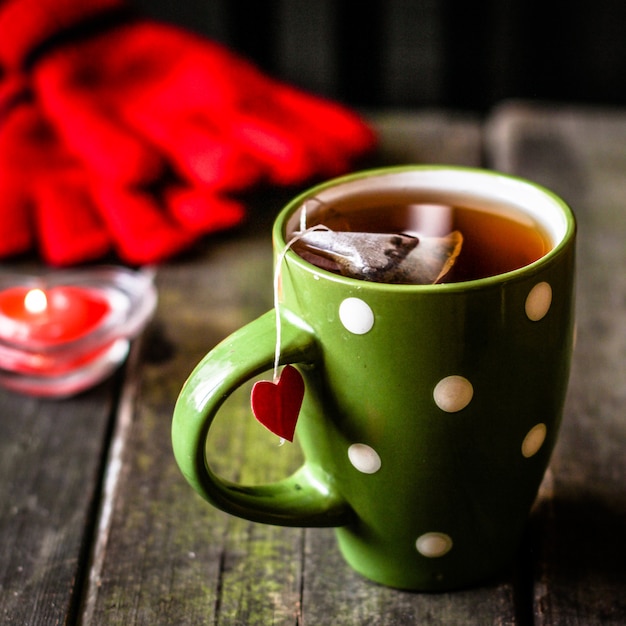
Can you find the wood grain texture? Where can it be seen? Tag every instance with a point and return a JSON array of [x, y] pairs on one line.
[[51, 459], [579, 525]]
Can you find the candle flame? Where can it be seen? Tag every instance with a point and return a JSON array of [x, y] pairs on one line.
[[35, 301]]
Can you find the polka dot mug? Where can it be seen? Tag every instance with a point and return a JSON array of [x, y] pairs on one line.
[[429, 411]]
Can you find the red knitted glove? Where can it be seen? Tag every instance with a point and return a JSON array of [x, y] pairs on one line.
[[143, 104], [48, 198], [43, 188], [144, 95]]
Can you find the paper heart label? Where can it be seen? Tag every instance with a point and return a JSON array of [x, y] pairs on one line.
[[277, 405]]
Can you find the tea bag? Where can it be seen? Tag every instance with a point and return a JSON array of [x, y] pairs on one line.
[[380, 257]]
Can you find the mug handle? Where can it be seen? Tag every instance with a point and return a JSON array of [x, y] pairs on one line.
[[305, 498]]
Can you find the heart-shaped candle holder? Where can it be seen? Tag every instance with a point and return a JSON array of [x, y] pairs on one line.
[[65, 331]]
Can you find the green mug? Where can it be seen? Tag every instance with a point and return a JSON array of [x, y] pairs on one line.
[[430, 411]]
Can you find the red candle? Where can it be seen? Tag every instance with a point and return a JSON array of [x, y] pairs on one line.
[[37, 318], [61, 339]]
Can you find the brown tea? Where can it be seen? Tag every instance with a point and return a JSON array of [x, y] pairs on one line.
[[495, 240]]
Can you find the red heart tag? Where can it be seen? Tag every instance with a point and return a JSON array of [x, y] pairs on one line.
[[277, 405]]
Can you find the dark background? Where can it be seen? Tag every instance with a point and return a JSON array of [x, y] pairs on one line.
[[403, 53]]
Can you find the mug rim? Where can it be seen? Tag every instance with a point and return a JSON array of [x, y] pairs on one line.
[[464, 174]]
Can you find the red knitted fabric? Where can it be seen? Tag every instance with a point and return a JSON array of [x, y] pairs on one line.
[[148, 129]]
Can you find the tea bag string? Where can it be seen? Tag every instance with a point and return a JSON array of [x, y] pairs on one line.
[[276, 285]]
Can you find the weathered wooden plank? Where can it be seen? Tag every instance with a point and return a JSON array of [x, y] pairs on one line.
[[171, 558], [334, 594], [51, 457], [428, 136], [580, 522]]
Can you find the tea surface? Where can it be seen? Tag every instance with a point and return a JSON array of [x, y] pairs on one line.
[[494, 242]]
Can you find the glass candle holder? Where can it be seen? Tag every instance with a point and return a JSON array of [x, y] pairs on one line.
[[65, 331]]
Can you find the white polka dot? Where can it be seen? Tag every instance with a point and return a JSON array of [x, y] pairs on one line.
[[453, 393], [356, 316], [534, 440], [433, 545], [364, 458], [538, 301]]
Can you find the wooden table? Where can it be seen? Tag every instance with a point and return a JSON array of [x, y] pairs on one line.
[[97, 525]]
